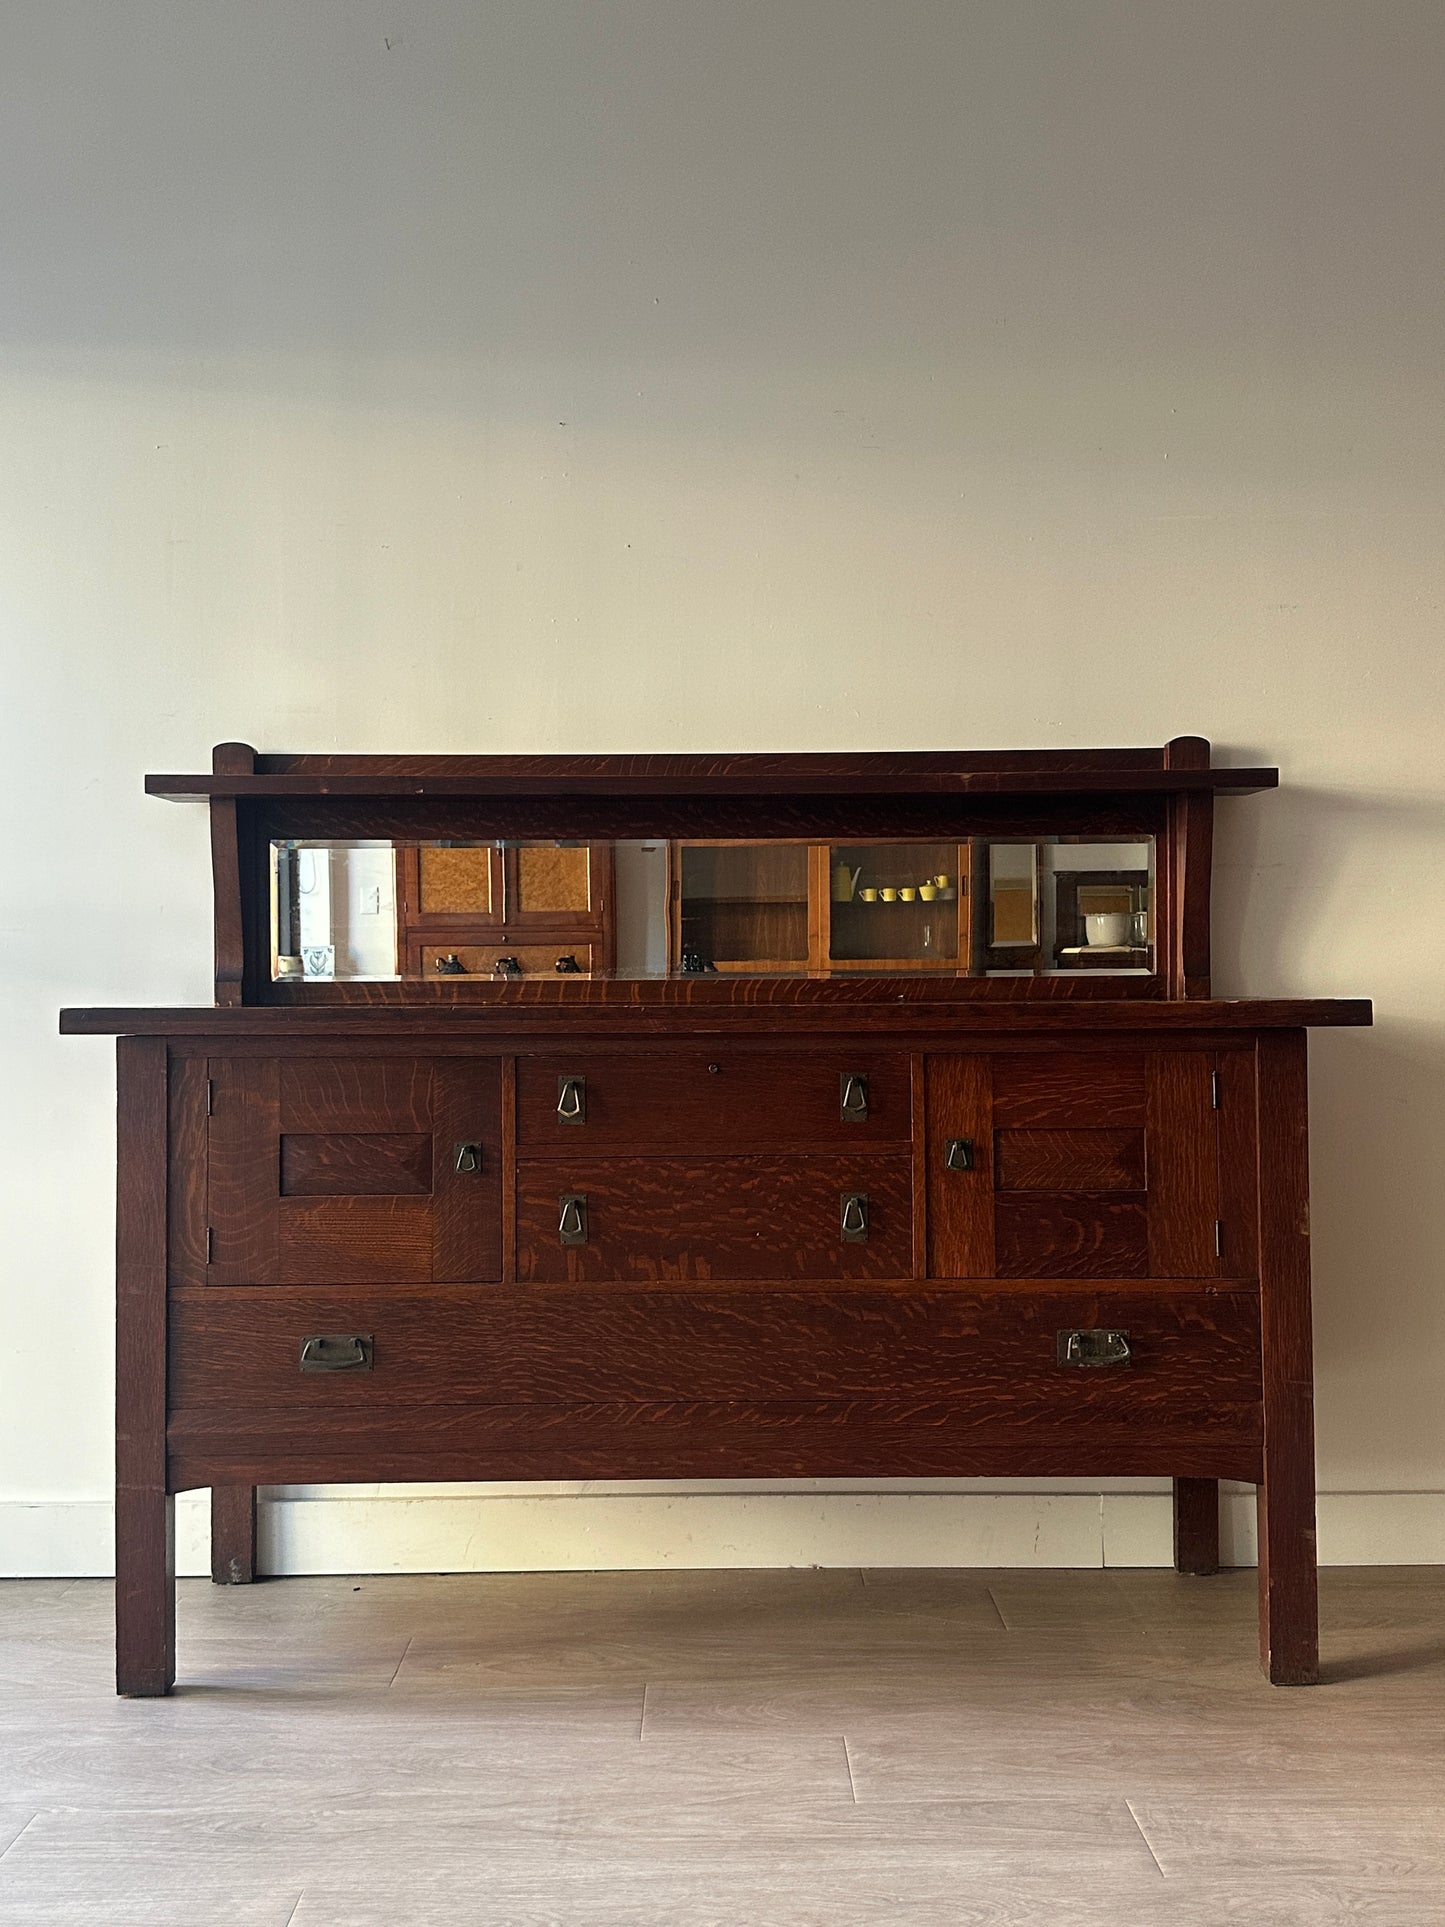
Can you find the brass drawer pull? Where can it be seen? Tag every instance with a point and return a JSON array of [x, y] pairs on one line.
[[852, 1097], [337, 1352], [571, 1100], [467, 1156], [1093, 1347], [853, 1217], [572, 1218]]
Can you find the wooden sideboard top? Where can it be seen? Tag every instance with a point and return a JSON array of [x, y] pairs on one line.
[[636, 1006], [1181, 766]]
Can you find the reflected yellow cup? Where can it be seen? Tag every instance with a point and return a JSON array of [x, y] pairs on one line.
[[889, 895]]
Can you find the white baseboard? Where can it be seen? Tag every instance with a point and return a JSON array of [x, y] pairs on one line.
[[651, 1528]]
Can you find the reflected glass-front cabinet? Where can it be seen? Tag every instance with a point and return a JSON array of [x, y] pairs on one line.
[[847, 1116]]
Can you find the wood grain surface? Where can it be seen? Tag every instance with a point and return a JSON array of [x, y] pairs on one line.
[[354, 1093], [960, 1203], [830, 1438], [344, 1170], [717, 1217], [1288, 1585], [1071, 1235], [356, 1163], [1055, 1089], [713, 1100], [540, 1007], [145, 1621], [187, 1163], [1196, 1526], [1238, 1128], [1070, 1160], [233, 1535], [236, 1355], [1183, 1165]]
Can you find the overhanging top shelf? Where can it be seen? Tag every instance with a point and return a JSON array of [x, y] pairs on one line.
[[1180, 767]]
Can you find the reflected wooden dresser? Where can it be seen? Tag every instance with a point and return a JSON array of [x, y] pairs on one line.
[[988, 1218]]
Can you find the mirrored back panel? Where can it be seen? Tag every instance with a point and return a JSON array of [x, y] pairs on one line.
[[376, 911]]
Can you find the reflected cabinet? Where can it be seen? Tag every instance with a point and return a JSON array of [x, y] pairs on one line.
[[707, 1117]]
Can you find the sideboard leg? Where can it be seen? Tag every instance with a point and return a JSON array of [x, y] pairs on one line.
[[145, 1539], [1289, 1639], [1196, 1526], [233, 1534], [1288, 1581], [145, 1593]]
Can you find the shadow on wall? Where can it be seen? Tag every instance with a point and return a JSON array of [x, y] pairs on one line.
[[1334, 892], [1377, 1100], [1286, 872]]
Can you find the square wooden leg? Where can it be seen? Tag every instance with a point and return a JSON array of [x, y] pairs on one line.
[[1196, 1526], [145, 1593], [1289, 1640], [1289, 1636], [233, 1534], [145, 1534]]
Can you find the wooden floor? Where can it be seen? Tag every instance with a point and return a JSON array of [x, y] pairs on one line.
[[1072, 1748]]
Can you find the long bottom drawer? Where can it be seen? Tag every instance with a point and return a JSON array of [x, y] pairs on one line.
[[598, 1382]]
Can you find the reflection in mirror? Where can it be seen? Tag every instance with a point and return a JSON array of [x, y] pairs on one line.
[[1060, 905], [743, 905], [372, 911], [334, 911]]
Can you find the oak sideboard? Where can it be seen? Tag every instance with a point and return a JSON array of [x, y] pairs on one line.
[[897, 1135]]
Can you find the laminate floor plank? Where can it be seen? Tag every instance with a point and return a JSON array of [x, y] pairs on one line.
[[1360, 1839], [708, 1897], [13, 1822], [102, 1906], [719, 1749]]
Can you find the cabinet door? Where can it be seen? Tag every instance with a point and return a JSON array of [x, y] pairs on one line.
[[1073, 1164], [552, 887], [341, 1170], [747, 906]]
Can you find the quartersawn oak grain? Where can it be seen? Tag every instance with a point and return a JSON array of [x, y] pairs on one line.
[[238, 1351], [717, 1099], [725, 1217]]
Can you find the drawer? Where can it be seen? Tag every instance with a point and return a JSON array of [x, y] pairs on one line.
[[720, 1217], [719, 1100], [586, 1382]]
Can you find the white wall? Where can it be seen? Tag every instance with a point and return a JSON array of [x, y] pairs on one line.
[[643, 374]]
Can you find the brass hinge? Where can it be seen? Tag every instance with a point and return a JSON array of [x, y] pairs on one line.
[[210, 1245], [210, 1097], [1218, 1239], [1214, 1090]]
